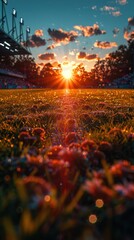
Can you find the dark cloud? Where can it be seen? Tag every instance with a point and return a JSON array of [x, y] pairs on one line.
[[35, 41], [131, 21], [50, 47], [47, 56], [86, 56], [105, 45], [61, 36], [116, 31], [88, 31]]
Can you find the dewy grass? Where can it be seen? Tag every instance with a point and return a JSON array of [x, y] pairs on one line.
[[66, 164]]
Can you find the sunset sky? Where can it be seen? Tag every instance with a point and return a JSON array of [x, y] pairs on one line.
[[76, 31]]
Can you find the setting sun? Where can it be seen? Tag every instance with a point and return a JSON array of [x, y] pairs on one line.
[[67, 73]]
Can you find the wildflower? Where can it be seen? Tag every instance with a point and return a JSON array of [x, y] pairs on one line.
[[99, 155], [54, 151], [39, 133], [34, 159], [71, 138], [23, 136], [119, 168], [98, 190], [88, 145], [74, 146], [105, 147], [36, 185]]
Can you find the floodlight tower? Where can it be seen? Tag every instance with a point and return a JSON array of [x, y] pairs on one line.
[[21, 37], [14, 29], [27, 35], [3, 14]]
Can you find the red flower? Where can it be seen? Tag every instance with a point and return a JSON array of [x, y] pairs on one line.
[[98, 190], [39, 133]]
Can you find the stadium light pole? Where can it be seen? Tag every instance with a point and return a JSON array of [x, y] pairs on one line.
[[21, 28], [4, 2], [14, 15], [27, 35]]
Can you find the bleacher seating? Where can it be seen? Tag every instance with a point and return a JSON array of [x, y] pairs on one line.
[[126, 81], [8, 82]]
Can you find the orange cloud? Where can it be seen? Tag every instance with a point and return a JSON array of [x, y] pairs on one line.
[[39, 33], [105, 45], [86, 56], [129, 35], [47, 56], [88, 31], [53, 46]]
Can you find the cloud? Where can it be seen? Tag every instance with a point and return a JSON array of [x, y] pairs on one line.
[[56, 65], [39, 33], [71, 53], [86, 56], [47, 56], [116, 14], [94, 7], [81, 55], [131, 21], [122, 2], [105, 45], [111, 10], [50, 47], [54, 45], [65, 63], [34, 41], [61, 36], [88, 31], [128, 35], [65, 58], [107, 8], [116, 31]]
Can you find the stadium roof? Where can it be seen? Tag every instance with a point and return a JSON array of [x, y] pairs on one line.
[[9, 46]]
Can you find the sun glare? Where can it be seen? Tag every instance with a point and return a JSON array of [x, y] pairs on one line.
[[67, 73]]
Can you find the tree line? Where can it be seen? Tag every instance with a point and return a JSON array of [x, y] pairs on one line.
[[113, 66]]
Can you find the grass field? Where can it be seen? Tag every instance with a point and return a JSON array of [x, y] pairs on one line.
[[66, 164]]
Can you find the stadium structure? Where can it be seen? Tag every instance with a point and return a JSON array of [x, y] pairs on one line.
[[11, 40]]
